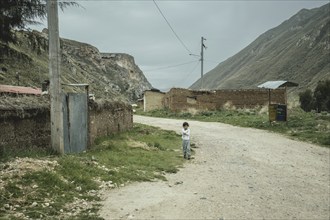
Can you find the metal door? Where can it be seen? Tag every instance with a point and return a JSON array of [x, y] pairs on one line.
[[75, 110]]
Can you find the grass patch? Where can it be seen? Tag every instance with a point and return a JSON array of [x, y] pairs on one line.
[[7, 152], [129, 160], [306, 126], [66, 187]]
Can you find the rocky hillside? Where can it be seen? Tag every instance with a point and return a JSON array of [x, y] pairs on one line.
[[297, 50], [111, 76]]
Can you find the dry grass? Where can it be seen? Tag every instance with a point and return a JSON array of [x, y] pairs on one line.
[[24, 102]]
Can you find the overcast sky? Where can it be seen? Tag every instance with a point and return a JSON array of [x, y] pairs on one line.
[[138, 28]]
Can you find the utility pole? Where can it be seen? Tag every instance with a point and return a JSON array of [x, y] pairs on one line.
[[56, 111], [202, 61], [17, 77]]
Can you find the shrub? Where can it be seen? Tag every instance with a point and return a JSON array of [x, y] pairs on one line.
[[318, 100], [206, 113], [306, 100], [322, 96]]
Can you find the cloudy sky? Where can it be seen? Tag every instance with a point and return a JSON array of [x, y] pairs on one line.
[[138, 28]]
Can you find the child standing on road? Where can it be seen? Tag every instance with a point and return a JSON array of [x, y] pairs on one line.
[[186, 140]]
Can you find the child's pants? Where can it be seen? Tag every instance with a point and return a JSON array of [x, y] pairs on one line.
[[186, 148]]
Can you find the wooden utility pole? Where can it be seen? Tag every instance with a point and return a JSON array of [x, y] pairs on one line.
[[56, 111], [202, 62]]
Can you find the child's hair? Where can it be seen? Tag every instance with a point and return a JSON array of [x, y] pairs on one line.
[[185, 124]]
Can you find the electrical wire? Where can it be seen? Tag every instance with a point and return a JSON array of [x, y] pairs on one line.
[[168, 23], [189, 73], [168, 67]]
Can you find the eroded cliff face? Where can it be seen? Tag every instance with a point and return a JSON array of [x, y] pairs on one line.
[[129, 71], [112, 76]]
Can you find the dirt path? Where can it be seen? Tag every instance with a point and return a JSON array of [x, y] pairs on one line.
[[237, 173]]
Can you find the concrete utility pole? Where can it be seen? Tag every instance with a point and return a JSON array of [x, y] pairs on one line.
[[202, 61], [56, 112]]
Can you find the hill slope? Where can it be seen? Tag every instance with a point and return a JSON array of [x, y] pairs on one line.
[[111, 76], [297, 50]]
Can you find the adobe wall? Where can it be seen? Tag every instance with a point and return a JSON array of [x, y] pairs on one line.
[[153, 100], [31, 127], [20, 129], [109, 119], [184, 99]]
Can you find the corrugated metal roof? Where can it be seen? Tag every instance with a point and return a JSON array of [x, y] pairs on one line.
[[277, 84], [19, 90]]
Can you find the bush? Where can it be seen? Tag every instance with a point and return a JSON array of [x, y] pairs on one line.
[[319, 100], [322, 96], [306, 100], [206, 113]]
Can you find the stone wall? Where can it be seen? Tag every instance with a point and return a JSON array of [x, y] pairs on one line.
[[108, 119], [184, 99], [28, 128], [22, 128]]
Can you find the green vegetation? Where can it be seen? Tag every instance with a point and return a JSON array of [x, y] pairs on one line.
[[48, 187], [306, 126], [318, 100], [20, 14]]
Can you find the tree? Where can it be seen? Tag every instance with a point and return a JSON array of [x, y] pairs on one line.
[[20, 13], [322, 96], [306, 100], [318, 100]]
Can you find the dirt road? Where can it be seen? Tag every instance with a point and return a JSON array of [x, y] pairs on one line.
[[237, 173]]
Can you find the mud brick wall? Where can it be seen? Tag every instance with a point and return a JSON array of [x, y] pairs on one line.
[[183, 99], [153, 100], [109, 119], [28, 128], [31, 127]]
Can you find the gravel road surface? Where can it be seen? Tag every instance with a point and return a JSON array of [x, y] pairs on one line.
[[237, 173]]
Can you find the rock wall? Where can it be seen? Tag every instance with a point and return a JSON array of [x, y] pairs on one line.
[[31, 127], [109, 119], [134, 82]]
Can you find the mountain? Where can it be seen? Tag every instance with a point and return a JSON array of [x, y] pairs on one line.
[[113, 76], [297, 50]]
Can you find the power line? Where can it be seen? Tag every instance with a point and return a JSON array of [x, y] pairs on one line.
[[168, 67], [189, 73], [168, 23]]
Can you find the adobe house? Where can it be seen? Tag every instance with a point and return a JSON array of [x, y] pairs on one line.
[[178, 99], [153, 99], [183, 99]]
